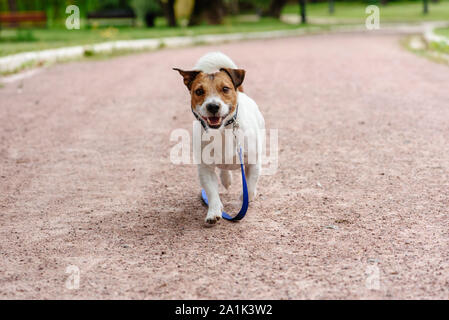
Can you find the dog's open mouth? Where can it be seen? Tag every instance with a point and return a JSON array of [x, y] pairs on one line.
[[214, 122]]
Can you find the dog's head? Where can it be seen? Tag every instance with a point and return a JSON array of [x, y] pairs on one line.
[[213, 95]]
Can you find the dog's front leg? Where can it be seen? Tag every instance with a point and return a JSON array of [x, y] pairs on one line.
[[209, 182]]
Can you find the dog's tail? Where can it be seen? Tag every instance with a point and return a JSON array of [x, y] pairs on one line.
[[213, 61]]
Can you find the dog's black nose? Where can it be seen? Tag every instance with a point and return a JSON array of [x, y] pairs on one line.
[[212, 107]]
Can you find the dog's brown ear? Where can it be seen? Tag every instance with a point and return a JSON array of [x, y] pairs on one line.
[[188, 76], [236, 75]]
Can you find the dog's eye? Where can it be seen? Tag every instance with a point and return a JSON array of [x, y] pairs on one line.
[[199, 92], [226, 89]]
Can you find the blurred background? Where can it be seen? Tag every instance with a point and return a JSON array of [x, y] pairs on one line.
[[27, 25]]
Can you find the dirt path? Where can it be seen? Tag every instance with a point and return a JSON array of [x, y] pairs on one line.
[[362, 190]]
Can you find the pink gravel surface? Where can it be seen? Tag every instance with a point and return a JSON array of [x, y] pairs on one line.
[[361, 193]]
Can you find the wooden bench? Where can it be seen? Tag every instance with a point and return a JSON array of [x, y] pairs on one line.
[[112, 17], [20, 19]]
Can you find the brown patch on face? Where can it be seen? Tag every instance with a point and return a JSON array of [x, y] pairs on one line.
[[237, 76]]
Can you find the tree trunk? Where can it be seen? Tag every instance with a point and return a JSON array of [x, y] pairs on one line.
[[149, 19], [275, 8], [215, 13], [197, 13], [425, 6], [302, 11], [234, 7], [12, 5], [212, 9], [169, 12], [331, 7]]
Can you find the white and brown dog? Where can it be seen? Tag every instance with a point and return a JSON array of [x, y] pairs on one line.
[[218, 102]]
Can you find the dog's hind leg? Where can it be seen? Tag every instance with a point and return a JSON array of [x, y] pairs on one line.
[[252, 175], [226, 178]]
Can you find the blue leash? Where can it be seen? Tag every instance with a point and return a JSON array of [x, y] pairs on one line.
[[244, 208]]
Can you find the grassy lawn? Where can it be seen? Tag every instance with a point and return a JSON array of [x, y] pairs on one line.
[[393, 12], [441, 47], [433, 51], [15, 41], [443, 32]]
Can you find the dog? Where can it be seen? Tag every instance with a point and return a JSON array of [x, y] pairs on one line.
[[219, 103]]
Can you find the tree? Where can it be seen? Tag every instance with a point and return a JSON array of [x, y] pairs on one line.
[[146, 10], [212, 10], [275, 8], [169, 11], [302, 11], [12, 6], [425, 6], [331, 7]]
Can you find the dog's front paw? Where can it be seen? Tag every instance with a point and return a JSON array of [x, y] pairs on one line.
[[213, 216]]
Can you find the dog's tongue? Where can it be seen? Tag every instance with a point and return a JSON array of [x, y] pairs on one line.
[[214, 120]]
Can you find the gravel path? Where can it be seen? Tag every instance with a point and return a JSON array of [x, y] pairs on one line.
[[357, 209]]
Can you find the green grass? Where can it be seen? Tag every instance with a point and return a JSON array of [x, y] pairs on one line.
[[441, 47], [15, 41], [406, 11], [433, 51], [443, 32]]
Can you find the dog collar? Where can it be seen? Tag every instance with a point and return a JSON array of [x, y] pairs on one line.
[[201, 120], [230, 121]]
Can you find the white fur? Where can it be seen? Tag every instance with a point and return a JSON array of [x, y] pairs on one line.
[[251, 121], [213, 62], [223, 111]]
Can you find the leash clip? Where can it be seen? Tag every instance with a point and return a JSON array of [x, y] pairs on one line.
[[235, 127]]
